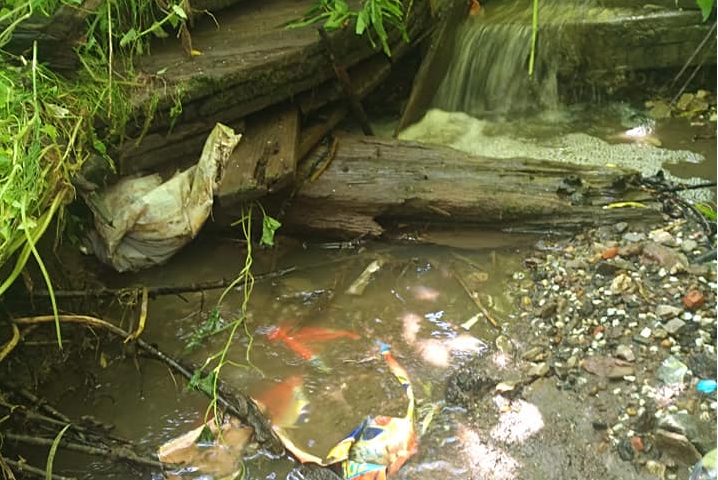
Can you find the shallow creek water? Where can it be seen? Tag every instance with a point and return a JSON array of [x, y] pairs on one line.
[[413, 303]]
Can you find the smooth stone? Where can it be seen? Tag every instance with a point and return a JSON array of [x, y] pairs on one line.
[[620, 227], [689, 245], [667, 311], [663, 237], [634, 236], [674, 326], [539, 370], [698, 433], [677, 446], [625, 352]]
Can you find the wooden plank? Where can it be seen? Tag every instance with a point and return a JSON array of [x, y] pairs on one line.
[[373, 184], [265, 159]]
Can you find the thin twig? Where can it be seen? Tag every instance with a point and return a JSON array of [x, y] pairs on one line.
[[11, 344], [159, 289], [24, 467], [237, 404], [40, 418], [700, 46], [345, 81], [37, 401], [330, 156], [142, 319], [120, 453], [475, 298], [690, 77]]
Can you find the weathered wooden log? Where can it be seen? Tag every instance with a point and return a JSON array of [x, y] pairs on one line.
[[375, 183], [249, 62]]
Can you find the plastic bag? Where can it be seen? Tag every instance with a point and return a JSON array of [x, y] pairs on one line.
[[141, 221]]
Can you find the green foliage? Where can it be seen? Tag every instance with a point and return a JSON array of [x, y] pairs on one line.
[[371, 19], [48, 122], [53, 452], [706, 7], [202, 384], [269, 227], [707, 211], [534, 35], [211, 326], [206, 436]]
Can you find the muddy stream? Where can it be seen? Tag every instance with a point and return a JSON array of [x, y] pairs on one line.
[[413, 303]]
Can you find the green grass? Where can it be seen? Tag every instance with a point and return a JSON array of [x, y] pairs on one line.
[[51, 124]]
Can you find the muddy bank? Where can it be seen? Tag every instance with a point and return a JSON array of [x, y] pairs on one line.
[[599, 377]]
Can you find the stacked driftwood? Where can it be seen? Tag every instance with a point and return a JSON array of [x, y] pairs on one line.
[[286, 89], [283, 88]]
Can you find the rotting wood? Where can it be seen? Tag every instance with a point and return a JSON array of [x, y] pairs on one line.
[[56, 36], [374, 183], [434, 64], [265, 159], [248, 64]]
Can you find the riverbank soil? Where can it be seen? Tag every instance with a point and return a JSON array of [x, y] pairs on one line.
[[599, 378]]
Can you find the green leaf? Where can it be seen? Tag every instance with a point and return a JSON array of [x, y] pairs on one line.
[[130, 36], [361, 22], [269, 227], [50, 130], [53, 451], [159, 32], [203, 384], [706, 210], [206, 437], [706, 7], [178, 10], [100, 147]]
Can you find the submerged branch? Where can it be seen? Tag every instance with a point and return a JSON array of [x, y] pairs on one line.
[[120, 453], [24, 467], [475, 298], [234, 403], [159, 289]]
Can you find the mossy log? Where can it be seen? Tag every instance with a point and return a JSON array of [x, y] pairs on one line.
[[373, 185], [248, 62]]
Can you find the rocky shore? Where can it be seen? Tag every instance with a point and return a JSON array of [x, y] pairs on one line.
[[615, 345]]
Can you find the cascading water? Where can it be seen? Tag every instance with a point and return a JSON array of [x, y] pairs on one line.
[[489, 70], [487, 105]]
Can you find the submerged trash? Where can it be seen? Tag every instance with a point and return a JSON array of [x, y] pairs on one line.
[[141, 221], [706, 386], [207, 449], [672, 371], [285, 404], [296, 339], [379, 445]]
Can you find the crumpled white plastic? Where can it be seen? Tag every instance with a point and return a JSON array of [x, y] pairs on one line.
[[141, 221]]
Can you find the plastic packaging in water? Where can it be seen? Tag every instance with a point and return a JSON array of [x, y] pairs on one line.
[[141, 221]]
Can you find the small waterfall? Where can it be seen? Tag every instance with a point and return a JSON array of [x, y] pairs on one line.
[[489, 70]]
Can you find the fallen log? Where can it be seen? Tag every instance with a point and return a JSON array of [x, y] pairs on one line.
[[373, 184], [248, 63]]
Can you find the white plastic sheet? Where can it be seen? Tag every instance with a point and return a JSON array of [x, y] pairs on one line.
[[141, 221]]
